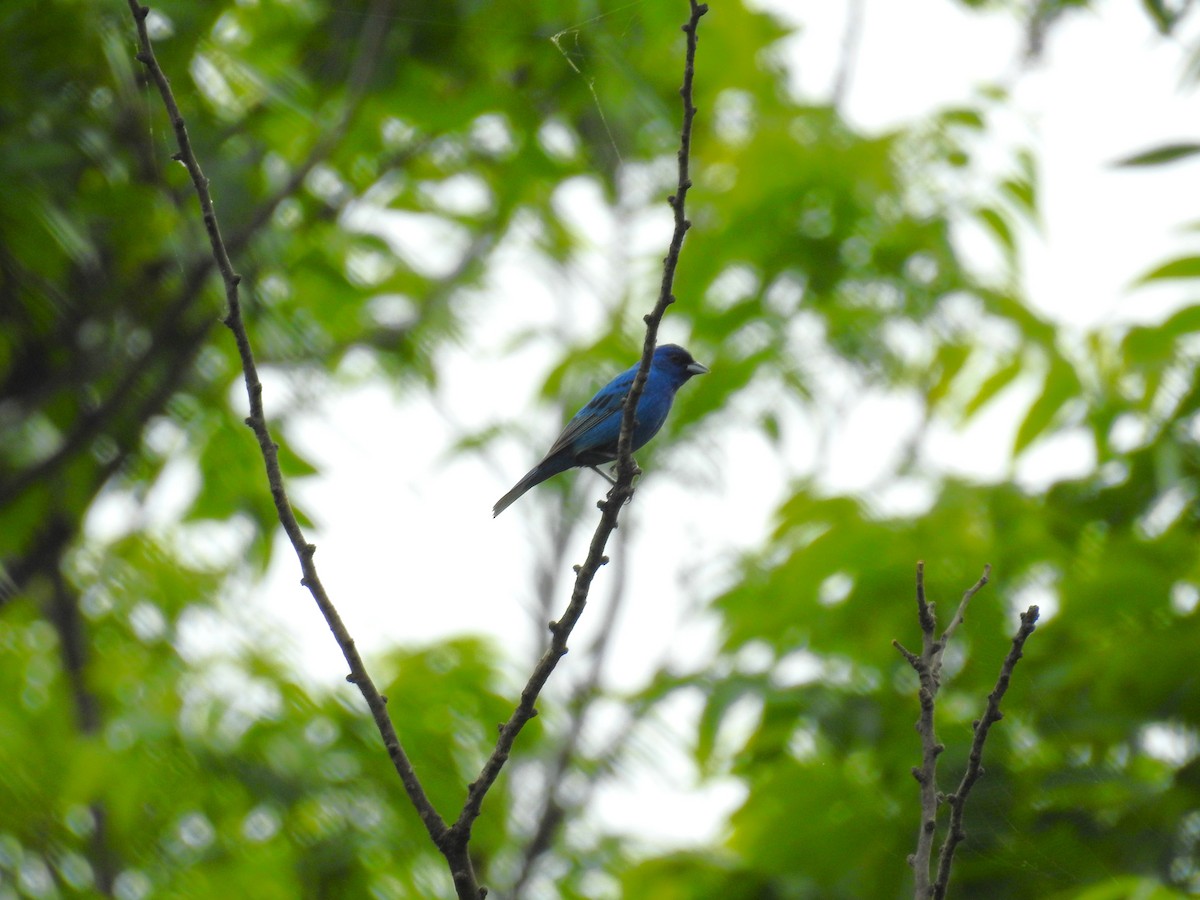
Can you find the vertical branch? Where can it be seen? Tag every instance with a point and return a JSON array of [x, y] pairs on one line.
[[269, 450], [926, 773], [991, 715], [460, 832], [626, 470]]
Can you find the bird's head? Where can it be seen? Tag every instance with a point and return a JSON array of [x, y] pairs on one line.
[[673, 360]]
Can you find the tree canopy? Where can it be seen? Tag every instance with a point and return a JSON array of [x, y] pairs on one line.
[[158, 740]]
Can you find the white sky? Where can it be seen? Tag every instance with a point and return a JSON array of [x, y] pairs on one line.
[[408, 548]]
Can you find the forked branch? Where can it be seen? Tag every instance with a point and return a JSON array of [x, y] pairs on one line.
[[928, 666]]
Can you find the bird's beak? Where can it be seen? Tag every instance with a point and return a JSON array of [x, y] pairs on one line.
[[694, 368]]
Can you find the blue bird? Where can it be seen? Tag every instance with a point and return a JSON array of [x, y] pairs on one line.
[[590, 438]]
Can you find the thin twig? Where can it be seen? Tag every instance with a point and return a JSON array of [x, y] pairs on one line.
[[960, 615], [270, 453], [991, 715], [460, 832], [851, 39]]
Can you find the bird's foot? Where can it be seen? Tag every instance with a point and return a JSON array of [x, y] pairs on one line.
[[604, 475], [636, 472], [611, 475]]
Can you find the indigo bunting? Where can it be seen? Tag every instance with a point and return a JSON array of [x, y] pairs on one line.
[[590, 438]]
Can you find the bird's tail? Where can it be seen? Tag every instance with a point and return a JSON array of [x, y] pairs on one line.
[[539, 473]]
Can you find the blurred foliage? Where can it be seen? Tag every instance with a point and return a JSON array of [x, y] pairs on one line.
[[137, 761]]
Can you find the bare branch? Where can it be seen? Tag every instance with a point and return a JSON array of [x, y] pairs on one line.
[[926, 774], [928, 668], [991, 715], [560, 630], [626, 470], [453, 841], [270, 453], [959, 615], [550, 816]]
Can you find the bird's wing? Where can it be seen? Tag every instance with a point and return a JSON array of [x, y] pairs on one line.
[[598, 423]]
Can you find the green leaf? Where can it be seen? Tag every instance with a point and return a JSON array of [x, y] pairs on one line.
[[969, 118], [291, 463], [1156, 343], [993, 385], [1060, 387], [998, 225], [1182, 267], [1157, 156], [950, 360]]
